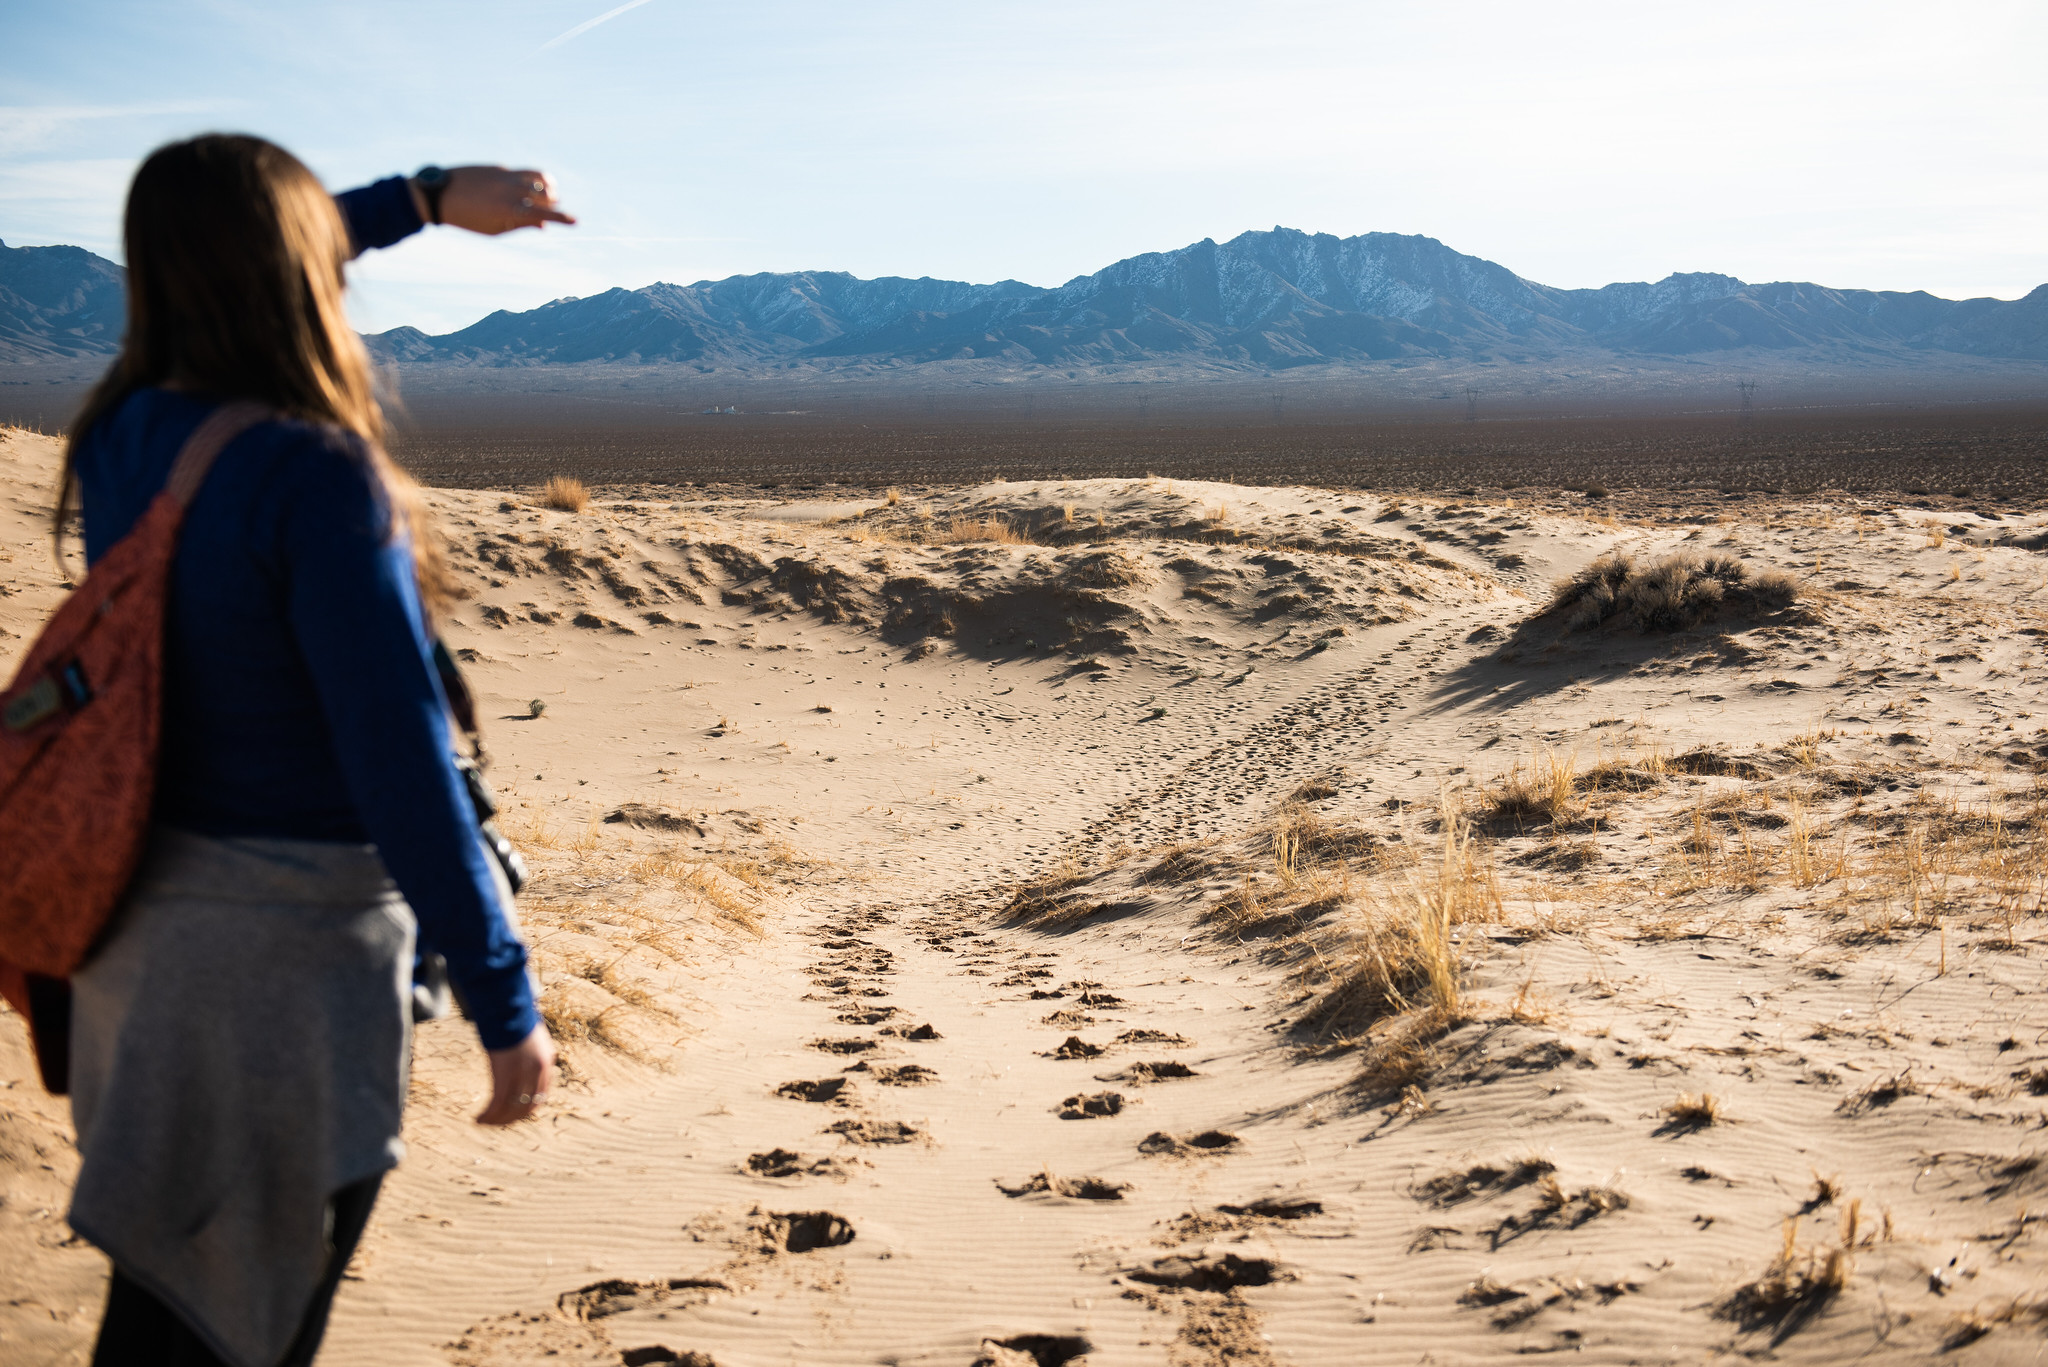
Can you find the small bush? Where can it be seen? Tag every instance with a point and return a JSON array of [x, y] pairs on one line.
[[1674, 594], [1796, 1286], [565, 494], [962, 529], [1405, 959], [1691, 1112]]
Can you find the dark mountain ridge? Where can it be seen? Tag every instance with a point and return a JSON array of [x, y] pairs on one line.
[[1272, 299], [59, 302]]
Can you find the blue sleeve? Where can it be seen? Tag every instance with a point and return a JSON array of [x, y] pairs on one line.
[[379, 215], [355, 613]]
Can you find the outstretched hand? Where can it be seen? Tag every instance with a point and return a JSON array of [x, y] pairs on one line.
[[493, 200], [521, 1078]]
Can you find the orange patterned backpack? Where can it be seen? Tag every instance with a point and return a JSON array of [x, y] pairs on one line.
[[78, 752]]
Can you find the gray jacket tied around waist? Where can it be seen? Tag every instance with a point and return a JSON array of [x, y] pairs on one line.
[[239, 1053]]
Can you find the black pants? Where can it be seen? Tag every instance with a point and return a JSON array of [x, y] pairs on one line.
[[139, 1330]]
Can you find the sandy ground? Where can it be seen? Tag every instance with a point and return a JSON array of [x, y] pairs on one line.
[[984, 951]]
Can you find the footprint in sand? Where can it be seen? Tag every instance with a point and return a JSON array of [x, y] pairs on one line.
[[846, 1046], [917, 1032], [1227, 1218], [1076, 1047], [1033, 1350], [614, 1295], [1161, 1037], [777, 1163], [871, 1015], [1078, 1188], [1090, 1105], [1207, 1142], [802, 1231], [876, 1131], [832, 1091], [1210, 1272], [1138, 1074], [902, 1075], [660, 1355]]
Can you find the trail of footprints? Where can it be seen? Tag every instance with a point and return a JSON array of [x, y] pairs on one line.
[[1269, 757], [1190, 1278]]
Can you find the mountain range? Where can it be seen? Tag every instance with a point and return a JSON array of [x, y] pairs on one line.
[[1263, 299]]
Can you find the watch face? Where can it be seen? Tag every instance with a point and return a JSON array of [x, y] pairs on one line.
[[431, 175]]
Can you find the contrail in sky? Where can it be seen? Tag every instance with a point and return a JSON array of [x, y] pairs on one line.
[[588, 24]]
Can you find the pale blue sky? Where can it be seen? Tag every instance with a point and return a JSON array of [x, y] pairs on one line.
[[1896, 146]]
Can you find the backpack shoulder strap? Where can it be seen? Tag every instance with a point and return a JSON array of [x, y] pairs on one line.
[[196, 456]]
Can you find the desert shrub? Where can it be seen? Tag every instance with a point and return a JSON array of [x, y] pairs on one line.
[[1105, 570], [1546, 792], [1674, 594], [1403, 959], [565, 494], [962, 529]]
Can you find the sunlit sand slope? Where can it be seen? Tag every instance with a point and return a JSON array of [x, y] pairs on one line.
[[1149, 922]]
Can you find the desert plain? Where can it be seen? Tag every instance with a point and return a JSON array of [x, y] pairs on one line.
[[1164, 921]]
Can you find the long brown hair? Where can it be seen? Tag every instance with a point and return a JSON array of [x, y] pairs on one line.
[[235, 260]]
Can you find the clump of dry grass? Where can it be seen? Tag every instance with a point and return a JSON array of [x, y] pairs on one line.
[[1972, 1325], [1798, 1283], [1692, 1112], [1556, 1208], [1105, 569], [1483, 1179], [701, 879], [1404, 960], [1051, 902], [565, 494], [991, 529], [1178, 864], [1547, 791], [1674, 594]]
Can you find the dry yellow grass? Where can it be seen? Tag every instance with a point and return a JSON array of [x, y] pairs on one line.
[[1798, 1282], [1403, 959], [1546, 792], [992, 529], [565, 493], [1674, 594], [711, 881], [1693, 1111]]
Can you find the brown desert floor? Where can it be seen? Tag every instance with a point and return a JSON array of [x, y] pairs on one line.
[[1147, 921]]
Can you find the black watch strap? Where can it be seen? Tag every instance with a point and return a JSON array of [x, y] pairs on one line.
[[432, 180]]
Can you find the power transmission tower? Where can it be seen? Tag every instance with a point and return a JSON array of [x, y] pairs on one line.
[[1748, 388], [1471, 404], [1279, 409], [1144, 403]]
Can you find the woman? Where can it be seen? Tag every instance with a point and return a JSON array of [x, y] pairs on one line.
[[240, 1040]]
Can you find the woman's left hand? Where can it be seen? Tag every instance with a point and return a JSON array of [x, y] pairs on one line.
[[493, 200], [521, 1078]]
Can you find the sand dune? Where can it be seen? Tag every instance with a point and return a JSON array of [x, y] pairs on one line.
[[1164, 922]]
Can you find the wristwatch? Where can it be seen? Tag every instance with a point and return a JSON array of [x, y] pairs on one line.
[[432, 180]]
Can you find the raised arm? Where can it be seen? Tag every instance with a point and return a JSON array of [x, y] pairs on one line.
[[484, 199]]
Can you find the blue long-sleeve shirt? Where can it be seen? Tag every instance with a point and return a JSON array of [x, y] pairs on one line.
[[379, 215], [300, 695]]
